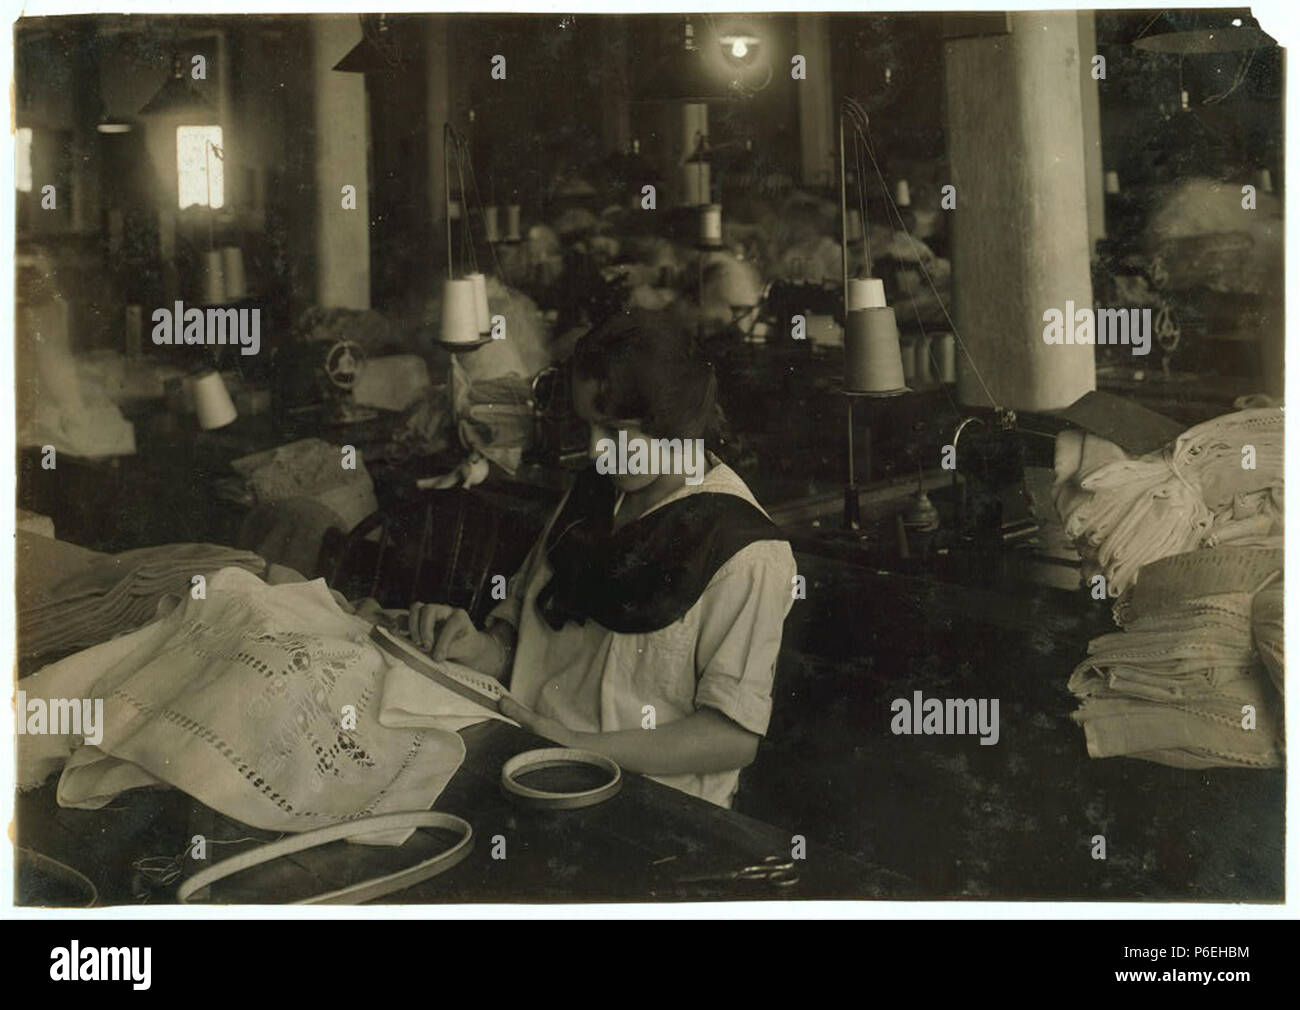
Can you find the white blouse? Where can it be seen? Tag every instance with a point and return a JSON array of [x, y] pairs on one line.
[[721, 654]]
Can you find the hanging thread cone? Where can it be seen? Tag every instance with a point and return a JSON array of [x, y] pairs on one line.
[[873, 361], [212, 401], [459, 315], [866, 293], [482, 315], [492, 224]]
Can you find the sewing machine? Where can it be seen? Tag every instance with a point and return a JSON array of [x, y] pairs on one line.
[[317, 378], [991, 502]]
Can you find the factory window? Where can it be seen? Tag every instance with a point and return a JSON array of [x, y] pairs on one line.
[[200, 179], [23, 154]]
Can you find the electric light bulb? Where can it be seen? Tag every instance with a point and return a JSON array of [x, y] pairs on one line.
[[740, 49]]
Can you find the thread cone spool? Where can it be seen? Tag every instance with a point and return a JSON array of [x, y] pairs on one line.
[[873, 360], [134, 330], [232, 268], [945, 350], [212, 401], [695, 124], [866, 293], [512, 223], [459, 315], [924, 366], [855, 226], [492, 224], [711, 224], [908, 351], [1112, 183], [696, 187], [482, 315], [1265, 180], [902, 193], [212, 278]]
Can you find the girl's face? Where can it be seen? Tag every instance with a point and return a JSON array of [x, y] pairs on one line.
[[601, 428]]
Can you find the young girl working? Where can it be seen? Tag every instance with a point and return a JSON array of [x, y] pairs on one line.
[[651, 599]]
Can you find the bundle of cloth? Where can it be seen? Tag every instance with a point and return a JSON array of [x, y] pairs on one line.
[[1219, 482], [269, 703], [301, 491], [1189, 540], [1185, 683], [119, 593]]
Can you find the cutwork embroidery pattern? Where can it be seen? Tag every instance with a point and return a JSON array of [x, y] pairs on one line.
[[268, 702]]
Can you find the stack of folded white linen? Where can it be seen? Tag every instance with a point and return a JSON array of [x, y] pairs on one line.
[[1219, 482], [1190, 541], [1184, 683]]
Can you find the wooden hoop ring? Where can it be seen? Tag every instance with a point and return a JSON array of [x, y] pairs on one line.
[[555, 757], [355, 893]]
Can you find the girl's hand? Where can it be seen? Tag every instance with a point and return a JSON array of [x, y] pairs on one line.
[[539, 724], [447, 632], [429, 622], [369, 608]]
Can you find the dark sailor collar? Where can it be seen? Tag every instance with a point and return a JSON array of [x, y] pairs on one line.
[[649, 572]]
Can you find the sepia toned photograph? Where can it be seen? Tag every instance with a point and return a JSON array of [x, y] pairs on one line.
[[604, 458]]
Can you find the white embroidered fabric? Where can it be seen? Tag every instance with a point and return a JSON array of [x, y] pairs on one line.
[[264, 702]]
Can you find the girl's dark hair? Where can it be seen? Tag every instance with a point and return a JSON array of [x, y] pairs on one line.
[[648, 368]]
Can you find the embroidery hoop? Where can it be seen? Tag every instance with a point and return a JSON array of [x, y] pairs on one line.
[[355, 893], [557, 757]]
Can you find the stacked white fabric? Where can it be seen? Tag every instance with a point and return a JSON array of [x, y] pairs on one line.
[[1183, 683], [1124, 512], [1190, 540]]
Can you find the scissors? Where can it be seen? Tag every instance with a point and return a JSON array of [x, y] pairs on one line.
[[771, 871]]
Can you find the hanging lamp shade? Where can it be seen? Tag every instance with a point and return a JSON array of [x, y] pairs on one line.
[[380, 50], [1203, 31], [363, 58], [107, 123], [686, 74], [176, 97]]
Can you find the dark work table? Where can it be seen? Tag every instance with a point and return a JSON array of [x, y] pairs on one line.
[[633, 847]]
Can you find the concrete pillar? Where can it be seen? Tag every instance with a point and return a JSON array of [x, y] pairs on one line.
[[1090, 98], [341, 120], [1020, 230], [615, 120], [817, 137], [438, 105]]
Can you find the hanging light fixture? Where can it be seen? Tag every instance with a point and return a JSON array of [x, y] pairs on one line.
[[106, 123], [380, 49], [1200, 32], [739, 47], [686, 75], [176, 97]]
